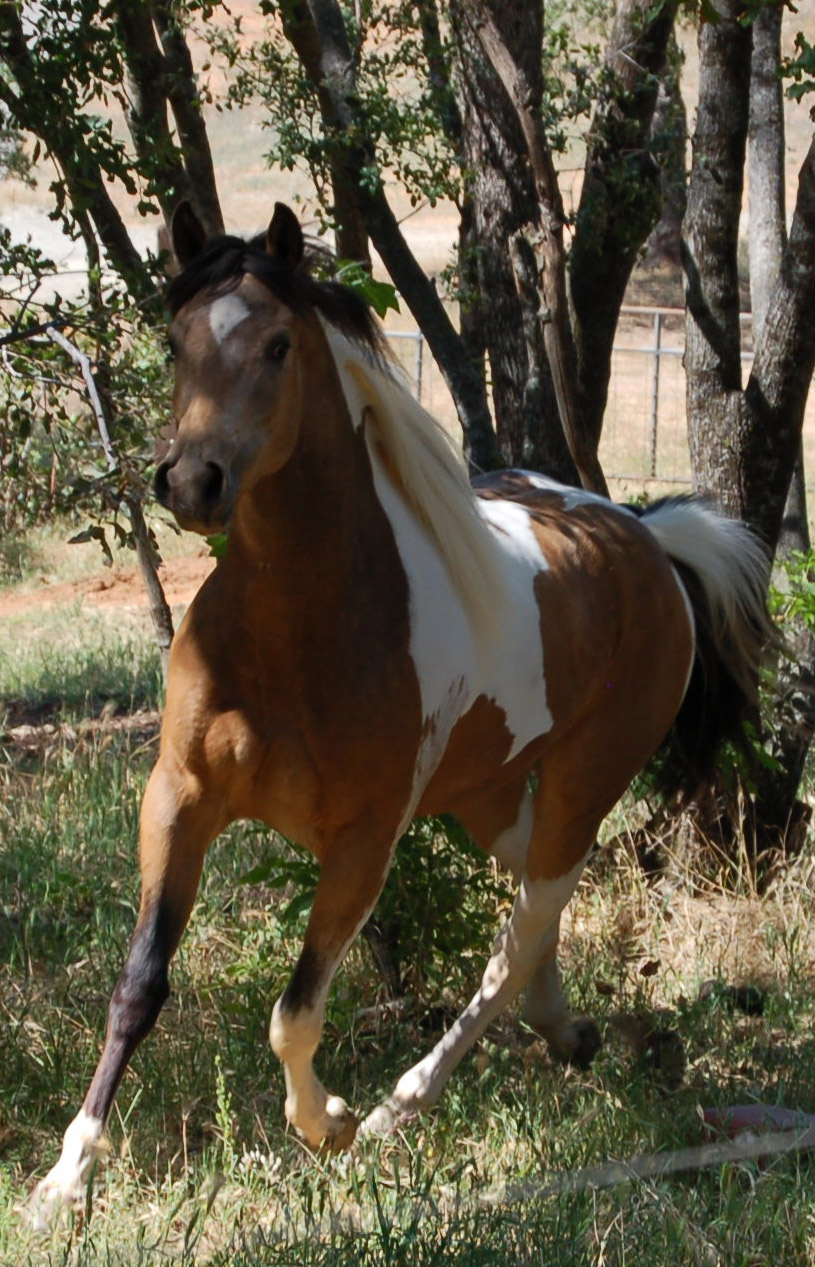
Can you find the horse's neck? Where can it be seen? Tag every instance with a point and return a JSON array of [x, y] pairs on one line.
[[304, 523]]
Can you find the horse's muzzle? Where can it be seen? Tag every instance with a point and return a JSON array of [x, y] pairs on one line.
[[196, 491]]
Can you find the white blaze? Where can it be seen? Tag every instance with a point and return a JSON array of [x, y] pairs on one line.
[[225, 313]]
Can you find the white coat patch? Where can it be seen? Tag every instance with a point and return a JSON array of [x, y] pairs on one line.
[[225, 314], [572, 497], [514, 673]]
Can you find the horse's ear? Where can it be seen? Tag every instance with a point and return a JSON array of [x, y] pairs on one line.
[[189, 237], [284, 237]]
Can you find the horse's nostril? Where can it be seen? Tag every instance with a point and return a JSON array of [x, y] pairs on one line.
[[162, 483], [213, 485]]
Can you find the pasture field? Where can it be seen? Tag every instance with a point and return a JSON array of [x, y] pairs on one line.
[[201, 1169]]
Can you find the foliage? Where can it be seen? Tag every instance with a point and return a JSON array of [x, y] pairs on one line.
[[53, 459], [436, 912], [401, 105], [793, 599], [801, 70]]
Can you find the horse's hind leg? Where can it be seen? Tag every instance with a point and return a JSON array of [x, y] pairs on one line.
[[502, 825], [351, 878], [574, 1040], [177, 824], [529, 934]]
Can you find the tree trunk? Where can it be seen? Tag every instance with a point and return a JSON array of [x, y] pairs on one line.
[[621, 198], [500, 183], [544, 248], [669, 136], [768, 226], [744, 443], [710, 257]]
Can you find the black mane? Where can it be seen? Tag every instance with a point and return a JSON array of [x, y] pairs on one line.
[[227, 259]]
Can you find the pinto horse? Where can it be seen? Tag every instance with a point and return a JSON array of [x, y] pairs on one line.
[[383, 641]]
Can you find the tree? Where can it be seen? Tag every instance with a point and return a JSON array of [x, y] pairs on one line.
[[745, 437]]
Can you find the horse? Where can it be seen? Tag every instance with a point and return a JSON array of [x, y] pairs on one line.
[[384, 640]]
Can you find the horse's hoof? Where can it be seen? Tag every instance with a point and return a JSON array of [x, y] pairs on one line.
[[576, 1043], [343, 1123], [49, 1197], [386, 1118], [587, 1042]]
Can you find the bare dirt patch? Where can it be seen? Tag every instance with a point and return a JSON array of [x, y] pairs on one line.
[[114, 587]]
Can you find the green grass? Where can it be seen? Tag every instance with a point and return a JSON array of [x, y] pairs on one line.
[[202, 1170], [68, 664]]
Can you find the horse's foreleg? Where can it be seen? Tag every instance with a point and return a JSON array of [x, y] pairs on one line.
[[351, 880], [177, 825]]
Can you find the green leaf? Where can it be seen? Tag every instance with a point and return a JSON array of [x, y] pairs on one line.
[[217, 545], [380, 296]]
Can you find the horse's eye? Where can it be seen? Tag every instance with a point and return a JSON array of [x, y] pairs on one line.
[[277, 348], [172, 347]]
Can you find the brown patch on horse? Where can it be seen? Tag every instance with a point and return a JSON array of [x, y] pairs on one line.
[[476, 751]]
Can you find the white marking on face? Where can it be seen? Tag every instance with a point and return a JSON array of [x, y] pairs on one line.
[[225, 314]]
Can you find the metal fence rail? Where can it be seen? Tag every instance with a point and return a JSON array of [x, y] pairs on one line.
[[644, 430]]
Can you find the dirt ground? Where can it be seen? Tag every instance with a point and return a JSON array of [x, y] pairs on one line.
[[113, 587]]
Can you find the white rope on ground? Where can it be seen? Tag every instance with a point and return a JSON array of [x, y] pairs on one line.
[[655, 1166]]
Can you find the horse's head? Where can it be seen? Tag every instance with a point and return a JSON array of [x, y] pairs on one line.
[[237, 315]]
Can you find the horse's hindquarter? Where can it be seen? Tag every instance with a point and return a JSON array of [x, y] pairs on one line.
[[597, 664]]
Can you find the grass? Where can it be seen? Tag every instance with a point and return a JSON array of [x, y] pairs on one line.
[[201, 1169], [69, 664]]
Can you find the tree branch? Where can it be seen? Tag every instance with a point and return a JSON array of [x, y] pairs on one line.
[[147, 120], [621, 196], [330, 66], [181, 87]]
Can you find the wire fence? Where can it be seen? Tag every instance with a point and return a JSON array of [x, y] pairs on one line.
[[644, 430]]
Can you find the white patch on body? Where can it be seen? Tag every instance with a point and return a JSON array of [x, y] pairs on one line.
[[441, 643], [66, 1182], [513, 675], [453, 670], [571, 497], [225, 314]]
